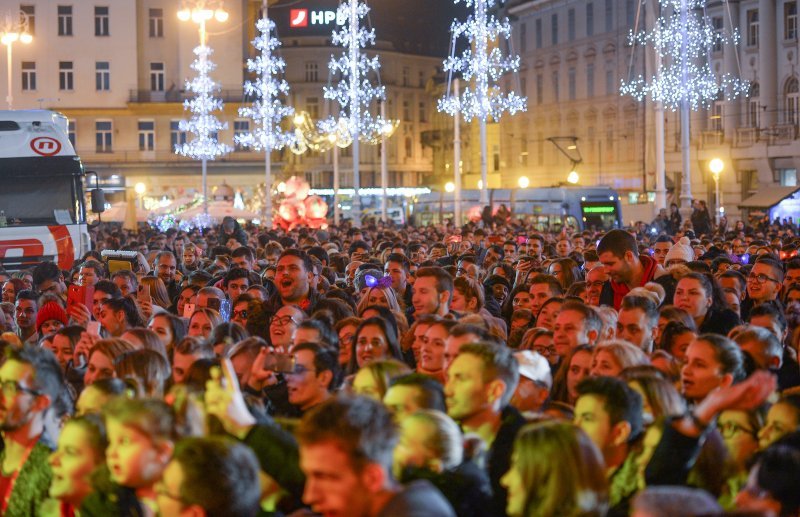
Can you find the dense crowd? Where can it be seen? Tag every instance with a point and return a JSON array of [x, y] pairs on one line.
[[484, 370]]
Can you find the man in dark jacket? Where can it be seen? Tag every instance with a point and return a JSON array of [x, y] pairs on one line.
[[293, 277], [619, 254], [230, 229], [481, 381]]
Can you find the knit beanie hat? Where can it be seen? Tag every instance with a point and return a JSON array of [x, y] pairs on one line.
[[681, 250], [50, 311]]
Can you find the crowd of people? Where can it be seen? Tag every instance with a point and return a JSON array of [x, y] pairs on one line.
[[486, 370]]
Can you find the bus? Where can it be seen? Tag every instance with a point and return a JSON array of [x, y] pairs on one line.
[[545, 209], [42, 209]]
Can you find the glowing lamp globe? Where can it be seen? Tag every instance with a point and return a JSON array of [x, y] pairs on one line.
[[524, 182], [449, 187], [573, 178]]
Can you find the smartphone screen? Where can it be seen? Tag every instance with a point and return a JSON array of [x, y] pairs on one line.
[[279, 363], [144, 294], [93, 328]]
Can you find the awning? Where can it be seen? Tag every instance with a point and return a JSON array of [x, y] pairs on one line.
[[768, 197]]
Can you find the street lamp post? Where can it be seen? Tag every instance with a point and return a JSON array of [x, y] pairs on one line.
[[200, 12], [716, 166], [14, 28]]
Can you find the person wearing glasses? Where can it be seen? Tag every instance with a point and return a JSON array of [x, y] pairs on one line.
[[30, 381], [763, 284], [315, 375]]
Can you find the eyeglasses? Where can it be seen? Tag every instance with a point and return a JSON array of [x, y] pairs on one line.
[[10, 389], [731, 429], [546, 351], [240, 314], [299, 369], [282, 321], [761, 278], [590, 285]]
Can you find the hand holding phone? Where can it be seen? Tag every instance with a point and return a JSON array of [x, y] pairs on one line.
[[279, 363]]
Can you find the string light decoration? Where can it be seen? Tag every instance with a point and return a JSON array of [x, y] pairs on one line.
[[203, 123], [683, 39], [354, 92], [484, 99], [267, 111]]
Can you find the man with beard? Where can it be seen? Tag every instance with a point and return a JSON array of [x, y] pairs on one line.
[[30, 381], [293, 276], [626, 269]]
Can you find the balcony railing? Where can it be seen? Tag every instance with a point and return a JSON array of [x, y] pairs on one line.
[[713, 138], [782, 134], [182, 95], [136, 156], [746, 136]]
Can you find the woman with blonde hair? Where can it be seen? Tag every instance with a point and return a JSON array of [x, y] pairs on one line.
[[609, 358], [379, 295], [158, 291], [555, 470]]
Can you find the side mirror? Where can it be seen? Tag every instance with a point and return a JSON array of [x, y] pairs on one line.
[[98, 200]]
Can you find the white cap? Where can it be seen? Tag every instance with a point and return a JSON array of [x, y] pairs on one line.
[[535, 367]]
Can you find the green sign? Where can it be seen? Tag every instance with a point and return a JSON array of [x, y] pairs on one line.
[[599, 209]]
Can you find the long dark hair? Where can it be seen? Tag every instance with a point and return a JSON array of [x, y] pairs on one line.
[[391, 339]]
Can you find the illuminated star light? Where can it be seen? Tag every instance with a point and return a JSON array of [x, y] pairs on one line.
[[485, 99], [203, 124], [354, 92], [683, 42], [267, 111]]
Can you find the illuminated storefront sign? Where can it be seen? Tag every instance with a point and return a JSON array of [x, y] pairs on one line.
[[300, 18]]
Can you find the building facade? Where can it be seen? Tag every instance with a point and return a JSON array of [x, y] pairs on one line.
[[575, 54], [118, 69]]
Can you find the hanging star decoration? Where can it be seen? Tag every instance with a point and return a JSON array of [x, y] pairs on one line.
[[481, 66], [683, 38]]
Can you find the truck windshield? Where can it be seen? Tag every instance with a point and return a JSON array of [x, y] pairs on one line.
[[41, 191]]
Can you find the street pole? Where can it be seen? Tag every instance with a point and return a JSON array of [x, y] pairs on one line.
[[265, 56], [661, 181], [686, 180], [384, 166], [457, 160], [719, 204], [10, 98], [336, 216], [482, 87], [354, 112], [204, 160]]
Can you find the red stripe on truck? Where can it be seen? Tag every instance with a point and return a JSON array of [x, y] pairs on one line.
[[64, 246]]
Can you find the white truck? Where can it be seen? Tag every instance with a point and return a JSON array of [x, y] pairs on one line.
[[42, 209]]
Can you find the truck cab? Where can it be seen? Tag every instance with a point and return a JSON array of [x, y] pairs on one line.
[[42, 209]]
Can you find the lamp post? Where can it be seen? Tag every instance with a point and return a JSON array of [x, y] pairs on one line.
[[200, 12], [140, 188], [14, 28], [716, 165]]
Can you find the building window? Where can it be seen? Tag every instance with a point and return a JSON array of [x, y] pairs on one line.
[[523, 38], [406, 76], [538, 35], [156, 23], [102, 76], [312, 71], [718, 26], [409, 147], [157, 77], [571, 24], [30, 12], [312, 107], [71, 133], [101, 21], [717, 115], [65, 76], [423, 112], [241, 127], [630, 13], [590, 19], [754, 106], [147, 135], [792, 106], [609, 15], [788, 177], [65, 20], [539, 89], [103, 136], [572, 83], [610, 90], [421, 79], [554, 29], [28, 76], [176, 136], [790, 20], [555, 85], [406, 111], [752, 28], [523, 86], [590, 80]]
